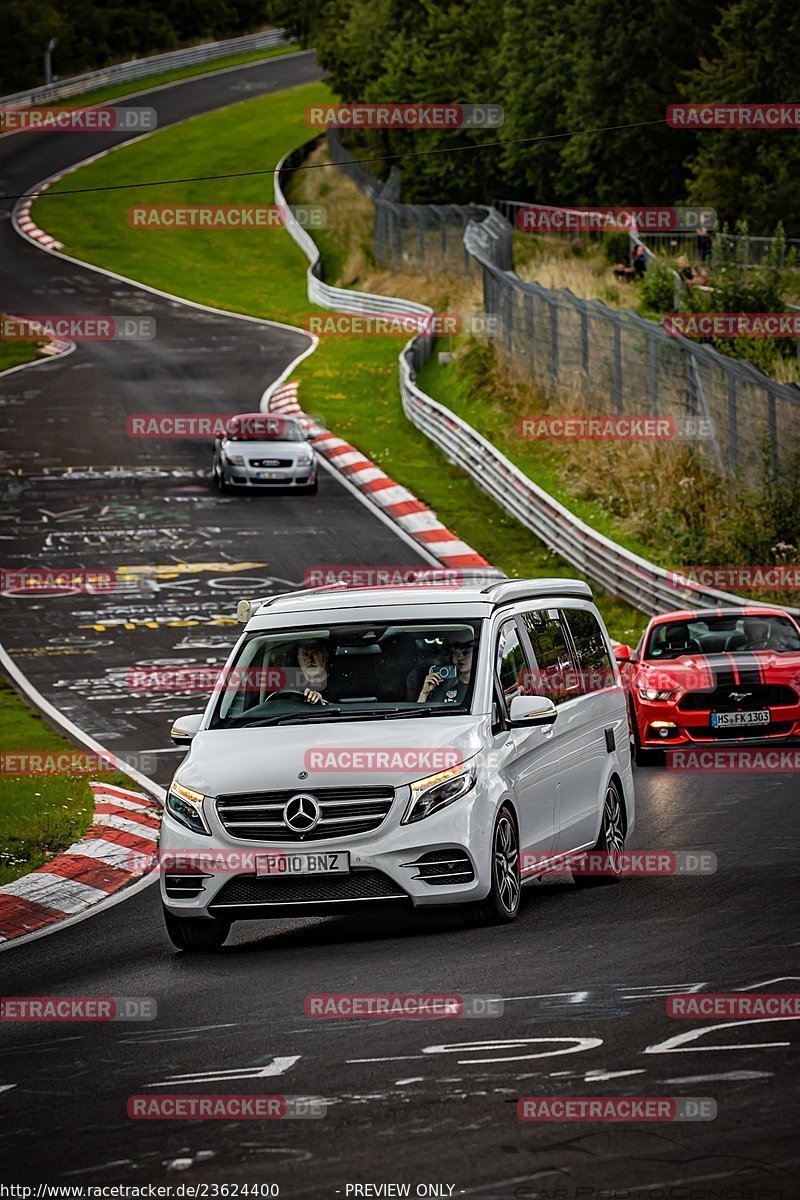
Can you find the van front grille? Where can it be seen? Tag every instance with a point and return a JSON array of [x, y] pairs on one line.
[[343, 812]]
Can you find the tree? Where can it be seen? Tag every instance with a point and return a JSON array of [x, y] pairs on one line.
[[750, 174]]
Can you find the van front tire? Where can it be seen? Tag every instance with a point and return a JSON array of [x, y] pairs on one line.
[[502, 903], [196, 933]]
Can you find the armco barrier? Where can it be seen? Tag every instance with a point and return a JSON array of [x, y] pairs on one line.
[[618, 571], [140, 67]]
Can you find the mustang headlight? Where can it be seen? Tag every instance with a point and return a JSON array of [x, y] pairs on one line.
[[651, 693], [437, 791], [185, 805]]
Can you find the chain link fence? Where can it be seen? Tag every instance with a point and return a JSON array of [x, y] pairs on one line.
[[416, 236], [602, 360], [615, 362]]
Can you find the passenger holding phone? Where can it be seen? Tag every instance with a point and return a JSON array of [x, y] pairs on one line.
[[443, 690]]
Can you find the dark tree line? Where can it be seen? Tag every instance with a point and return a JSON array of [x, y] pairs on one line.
[[93, 33], [570, 67]]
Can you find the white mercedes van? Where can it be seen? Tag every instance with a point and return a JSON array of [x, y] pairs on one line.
[[419, 745]]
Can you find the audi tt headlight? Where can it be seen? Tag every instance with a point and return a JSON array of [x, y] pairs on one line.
[[185, 805], [306, 456], [651, 693], [236, 460], [437, 791]]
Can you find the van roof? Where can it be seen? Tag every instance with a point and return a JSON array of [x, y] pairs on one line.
[[341, 598]]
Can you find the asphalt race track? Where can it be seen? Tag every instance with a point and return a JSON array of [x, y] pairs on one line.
[[584, 973]]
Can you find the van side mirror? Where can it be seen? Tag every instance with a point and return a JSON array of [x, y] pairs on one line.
[[532, 710], [184, 729]]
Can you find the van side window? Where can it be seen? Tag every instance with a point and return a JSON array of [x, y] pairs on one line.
[[510, 665], [556, 673], [597, 670]]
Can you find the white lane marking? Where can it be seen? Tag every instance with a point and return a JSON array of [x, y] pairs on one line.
[[724, 1076], [601, 1076], [390, 1058], [751, 987], [6, 1087], [677, 1044], [576, 997], [581, 1044], [411, 1079], [278, 1066]]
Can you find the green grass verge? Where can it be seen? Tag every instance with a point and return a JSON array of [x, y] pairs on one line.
[[115, 90], [350, 382], [536, 458], [40, 815], [14, 354]]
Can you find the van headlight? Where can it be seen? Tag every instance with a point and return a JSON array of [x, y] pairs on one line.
[[185, 805], [437, 791]]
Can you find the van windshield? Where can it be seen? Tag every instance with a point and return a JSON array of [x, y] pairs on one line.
[[360, 671]]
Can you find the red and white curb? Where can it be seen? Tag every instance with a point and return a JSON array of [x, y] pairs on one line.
[[116, 850], [52, 346], [24, 221], [396, 501]]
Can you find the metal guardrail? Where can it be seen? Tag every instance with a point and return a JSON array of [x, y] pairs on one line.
[[618, 571], [140, 67]]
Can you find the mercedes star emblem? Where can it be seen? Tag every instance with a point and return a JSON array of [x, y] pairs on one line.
[[301, 813]]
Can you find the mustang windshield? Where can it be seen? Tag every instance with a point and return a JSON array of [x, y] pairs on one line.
[[723, 634], [360, 671]]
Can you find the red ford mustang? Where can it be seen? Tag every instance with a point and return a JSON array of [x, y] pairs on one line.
[[727, 676]]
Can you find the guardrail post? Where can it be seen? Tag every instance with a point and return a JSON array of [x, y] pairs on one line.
[[529, 327]]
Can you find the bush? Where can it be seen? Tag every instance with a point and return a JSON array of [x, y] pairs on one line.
[[658, 287], [616, 246]]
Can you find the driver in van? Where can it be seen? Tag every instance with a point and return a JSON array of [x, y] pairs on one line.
[[443, 690], [312, 658]]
